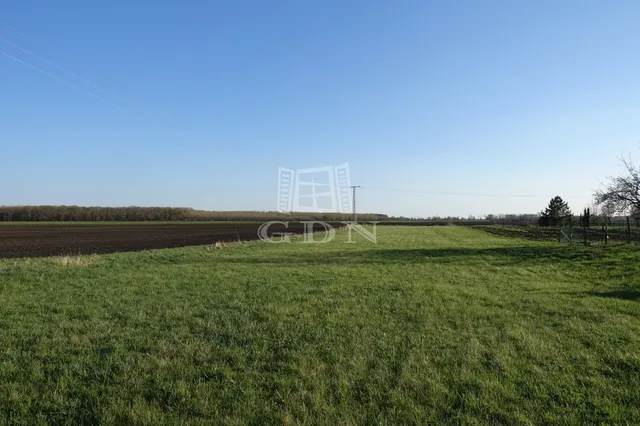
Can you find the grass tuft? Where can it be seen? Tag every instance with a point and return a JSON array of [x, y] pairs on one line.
[[77, 260]]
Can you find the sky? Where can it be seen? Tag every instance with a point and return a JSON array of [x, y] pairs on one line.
[[441, 108]]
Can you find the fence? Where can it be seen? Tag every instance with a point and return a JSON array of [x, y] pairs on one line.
[[603, 235]]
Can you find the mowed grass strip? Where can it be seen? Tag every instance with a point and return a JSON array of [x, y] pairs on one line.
[[430, 325]]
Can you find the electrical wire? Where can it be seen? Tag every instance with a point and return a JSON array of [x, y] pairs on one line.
[[73, 86], [93, 95], [474, 194], [28, 52]]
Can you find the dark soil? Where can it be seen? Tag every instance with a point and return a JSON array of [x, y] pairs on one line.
[[39, 241]]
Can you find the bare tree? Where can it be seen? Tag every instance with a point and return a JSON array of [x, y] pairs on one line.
[[608, 210], [595, 208], [621, 194], [635, 214]]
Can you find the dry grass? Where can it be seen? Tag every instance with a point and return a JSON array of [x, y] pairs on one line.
[[222, 244], [72, 261]]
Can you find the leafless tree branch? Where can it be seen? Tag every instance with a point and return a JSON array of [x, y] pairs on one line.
[[621, 193]]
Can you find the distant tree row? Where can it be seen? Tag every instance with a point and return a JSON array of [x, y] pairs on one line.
[[513, 219], [90, 214], [114, 214], [430, 218], [281, 216], [499, 219]]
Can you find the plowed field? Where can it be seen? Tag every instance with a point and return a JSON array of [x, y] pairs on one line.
[[42, 240]]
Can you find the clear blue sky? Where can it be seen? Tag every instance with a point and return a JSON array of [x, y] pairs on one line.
[[501, 97]]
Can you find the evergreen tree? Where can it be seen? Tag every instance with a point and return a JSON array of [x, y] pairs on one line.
[[556, 213], [586, 218]]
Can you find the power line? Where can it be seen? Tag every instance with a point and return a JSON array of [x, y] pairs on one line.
[[93, 95], [73, 86], [355, 216], [475, 194], [20, 33], [57, 66], [86, 81]]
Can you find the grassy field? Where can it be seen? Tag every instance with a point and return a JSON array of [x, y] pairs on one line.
[[430, 325], [127, 223]]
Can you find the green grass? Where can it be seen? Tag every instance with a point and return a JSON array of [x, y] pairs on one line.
[[432, 325], [127, 223]]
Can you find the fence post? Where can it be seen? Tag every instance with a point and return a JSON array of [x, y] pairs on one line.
[[570, 233]]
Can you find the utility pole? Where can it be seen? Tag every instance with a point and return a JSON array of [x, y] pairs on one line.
[[355, 216]]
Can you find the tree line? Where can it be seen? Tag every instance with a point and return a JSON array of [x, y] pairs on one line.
[[91, 214], [620, 196], [134, 214]]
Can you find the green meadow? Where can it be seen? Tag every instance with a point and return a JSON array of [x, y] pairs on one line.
[[431, 325]]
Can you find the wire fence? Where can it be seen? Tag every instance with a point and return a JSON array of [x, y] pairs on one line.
[[592, 236], [599, 236]]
